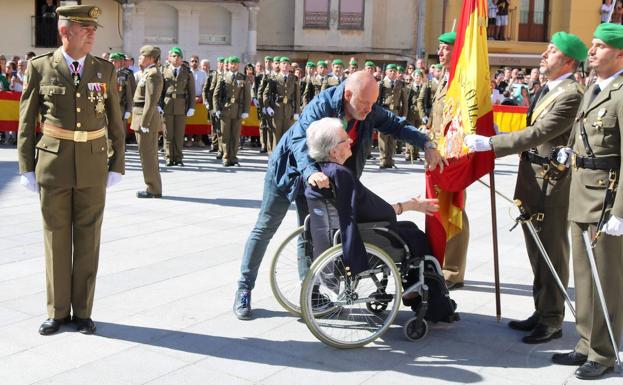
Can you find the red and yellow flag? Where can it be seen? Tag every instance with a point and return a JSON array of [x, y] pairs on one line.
[[467, 110]]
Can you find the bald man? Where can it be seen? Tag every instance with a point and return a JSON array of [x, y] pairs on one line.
[[354, 102]]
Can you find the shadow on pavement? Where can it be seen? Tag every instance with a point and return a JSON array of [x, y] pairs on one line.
[[506, 288]]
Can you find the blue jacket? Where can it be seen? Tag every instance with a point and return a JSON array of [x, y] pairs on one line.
[[290, 163]]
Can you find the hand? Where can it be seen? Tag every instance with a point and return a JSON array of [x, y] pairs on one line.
[[190, 112], [425, 120], [256, 102], [433, 159], [218, 114], [477, 143], [614, 226], [270, 111], [296, 116], [264, 110], [29, 181], [144, 130], [113, 178], [563, 156], [160, 110], [244, 115], [318, 179], [424, 205], [126, 115]]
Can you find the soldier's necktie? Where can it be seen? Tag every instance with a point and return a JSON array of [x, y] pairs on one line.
[[175, 72], [596, 91], [75, 73], [391, 83], [544, 91], [285, 79]]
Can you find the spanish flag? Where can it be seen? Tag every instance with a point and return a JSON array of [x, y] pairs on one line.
[[467, 110]]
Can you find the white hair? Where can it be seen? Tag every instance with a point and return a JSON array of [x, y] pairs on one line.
[[322, 137], [63, 23]]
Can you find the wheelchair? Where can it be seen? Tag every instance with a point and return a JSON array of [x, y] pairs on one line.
[[346, 310]]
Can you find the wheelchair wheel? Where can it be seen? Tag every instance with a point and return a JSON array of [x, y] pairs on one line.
[[347, 321], [287, 271], [415, 329]]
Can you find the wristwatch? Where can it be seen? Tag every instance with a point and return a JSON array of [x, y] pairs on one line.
[[430, 145]]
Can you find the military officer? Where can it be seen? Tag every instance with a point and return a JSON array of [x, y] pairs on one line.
[[262, 81], [415, 109], [369, 66], [338, 70], [353, 66], [456, 248], [178, 102], [392, 96], [543, 191], [282, 99], [208, 95], [146, 120], [596, 203], [232, 97], [74, 96], [307, 88], [323, 80], [126, 84]]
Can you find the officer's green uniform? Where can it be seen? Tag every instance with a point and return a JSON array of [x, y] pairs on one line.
[[145, 114], [208, 95], [393, 97], [307, 86], [71, 173], [542, 192], [262, 81], [320, 83], [125, 85], [178, 96], [415, 110], [602, 119], [232, 97], [283, 96]]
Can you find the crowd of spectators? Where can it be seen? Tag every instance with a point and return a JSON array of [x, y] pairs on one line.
[[612, 11]]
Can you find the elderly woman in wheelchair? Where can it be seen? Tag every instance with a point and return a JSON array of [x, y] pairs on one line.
[[362, 256]]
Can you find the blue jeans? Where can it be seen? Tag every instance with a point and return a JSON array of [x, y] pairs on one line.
[[275, 205]]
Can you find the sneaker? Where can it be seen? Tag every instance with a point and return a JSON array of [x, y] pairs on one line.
[[242, 304]]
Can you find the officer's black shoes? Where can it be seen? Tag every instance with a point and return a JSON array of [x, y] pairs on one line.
[[591, 370], [180, 163], [84, 325], [147, 194], [51, 325], [170, 163], [263, 151], [542, 333], [454, 285], [525, 325], [571, 358], [219, 155], [382, 166], [242, 304], [213, 150]]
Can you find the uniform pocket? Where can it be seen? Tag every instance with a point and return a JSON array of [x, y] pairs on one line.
[[49, 144], [99, 145]]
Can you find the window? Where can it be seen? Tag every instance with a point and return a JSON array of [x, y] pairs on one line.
[[45, 24], [316, 14], [351, 14]]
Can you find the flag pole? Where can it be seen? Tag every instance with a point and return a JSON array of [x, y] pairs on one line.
[[494, 230]]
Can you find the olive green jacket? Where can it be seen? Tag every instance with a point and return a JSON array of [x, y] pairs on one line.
[[147, 94]]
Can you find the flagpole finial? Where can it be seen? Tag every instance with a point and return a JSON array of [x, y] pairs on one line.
[[454, 24]]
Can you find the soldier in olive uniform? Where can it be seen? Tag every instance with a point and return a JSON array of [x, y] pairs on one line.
[[282, 99], [74, 97], [208, 95], [321, 81], [353, 67], [455, 260], [369, 67], [232, 97], [146, 120], [415, 109], [261, 79], [178, 102], [126, 84], [543, 191], [307, 89], [392, 96], [338, 70], [595, 143]]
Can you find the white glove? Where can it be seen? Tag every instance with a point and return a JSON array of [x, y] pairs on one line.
[[614, 226], [144, 130], [113, 178], [563, 157], [270, 111], [425, 120], [477, 143], [29, 181], [190, 112], [264, 110], [244, 115], [126, 116], [256, 103], [296, 116], [160, 110], [218, 114]]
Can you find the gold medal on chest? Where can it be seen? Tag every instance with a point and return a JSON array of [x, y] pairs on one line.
[[99, 107]]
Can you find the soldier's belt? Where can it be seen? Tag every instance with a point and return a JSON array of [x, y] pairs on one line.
[[603, 163], [138, 104], [534, 158], [76, 136], [174, 95]]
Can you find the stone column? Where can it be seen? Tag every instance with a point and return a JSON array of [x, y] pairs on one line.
[[128, 30], [252, 40]]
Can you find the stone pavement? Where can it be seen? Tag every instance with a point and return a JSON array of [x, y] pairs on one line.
[[167, 277]]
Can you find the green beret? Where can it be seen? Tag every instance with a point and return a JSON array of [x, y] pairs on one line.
[[176, 51], [150, 50], [276, 59], [234, 59], [268, 58], [570, 45], [116, 56], [220, 59], [81, 14], [353, 62], [310, 64], [418, 72], [370, 63], [391, 66], [322, 63], [448, 38], [284, 59], [438, 66], [400, 69], [611, 34], [338, 62]]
